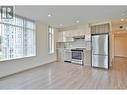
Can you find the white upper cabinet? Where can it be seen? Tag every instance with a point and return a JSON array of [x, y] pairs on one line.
[[82, 32], [87, 37], [102, 28], [69, 37], [77, 32], [60, 37], [66, 36]]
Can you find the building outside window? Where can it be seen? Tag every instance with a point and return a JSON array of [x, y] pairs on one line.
[[51, 39], [17, 38]]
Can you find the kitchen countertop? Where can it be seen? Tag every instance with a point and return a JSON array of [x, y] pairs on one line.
[[75, 48], [69, 49]]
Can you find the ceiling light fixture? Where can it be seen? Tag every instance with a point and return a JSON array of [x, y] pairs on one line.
[[61, 24], [49, 15], [121, 19], [77, 21], [124, 13]]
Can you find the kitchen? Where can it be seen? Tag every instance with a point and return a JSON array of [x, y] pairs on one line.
[[74, 43], [76, 51]]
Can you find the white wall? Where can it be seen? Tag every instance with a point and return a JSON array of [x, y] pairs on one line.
[[120, 45], [42, 57]]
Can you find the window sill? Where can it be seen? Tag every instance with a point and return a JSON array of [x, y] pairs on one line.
[[2, 60], [51, 53]]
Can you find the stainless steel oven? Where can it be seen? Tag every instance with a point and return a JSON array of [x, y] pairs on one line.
[[77, 56]]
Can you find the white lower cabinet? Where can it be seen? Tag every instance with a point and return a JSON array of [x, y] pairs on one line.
[[60, 54], [67, 55]]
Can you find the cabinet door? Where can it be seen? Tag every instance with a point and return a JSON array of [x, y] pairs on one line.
[[78, 32], [64, 37], [87, 37], [103, 28], [93, 29], [67, 33], [82, 32], [106, 28], [61, 37], [72, 33], [75, 33]]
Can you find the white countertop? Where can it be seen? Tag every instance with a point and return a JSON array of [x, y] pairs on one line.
[[75, 48]]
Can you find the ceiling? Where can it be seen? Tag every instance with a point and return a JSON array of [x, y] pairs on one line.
[[68, 15], [119, 22]]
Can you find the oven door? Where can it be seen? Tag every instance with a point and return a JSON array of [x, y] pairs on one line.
[[77, 57]]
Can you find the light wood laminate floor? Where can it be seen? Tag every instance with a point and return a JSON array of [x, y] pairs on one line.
[[59, 75]]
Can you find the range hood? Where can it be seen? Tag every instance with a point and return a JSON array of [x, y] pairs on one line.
[[79, 37]]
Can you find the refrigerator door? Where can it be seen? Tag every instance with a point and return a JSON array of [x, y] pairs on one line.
[[100, 44], [100, 51], [100, 61]]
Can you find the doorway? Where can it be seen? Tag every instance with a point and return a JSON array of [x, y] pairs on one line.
[[120, 44], [120, 50]]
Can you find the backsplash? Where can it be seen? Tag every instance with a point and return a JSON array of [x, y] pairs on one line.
[[78, 43], [75, 43]]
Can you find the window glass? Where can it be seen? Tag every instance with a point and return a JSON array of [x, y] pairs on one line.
[[51, 39], [30, 25], [19, 21], [0, 43], [19, 42], [8, 21], [7, 37], [17, 38]]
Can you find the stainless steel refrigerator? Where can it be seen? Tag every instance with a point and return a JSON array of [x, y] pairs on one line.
[[100, 50]]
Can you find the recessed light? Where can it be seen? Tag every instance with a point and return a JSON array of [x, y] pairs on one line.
[[121, 19], [118, 32], [77, 21], [49, 15], [61, 24], [123, 14]]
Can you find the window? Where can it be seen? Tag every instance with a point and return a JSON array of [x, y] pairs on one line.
[[17, 38], [51, 39]]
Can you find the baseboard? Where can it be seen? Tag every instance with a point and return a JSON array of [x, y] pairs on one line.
[[26, 70], [121, 56], [87, 64]]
